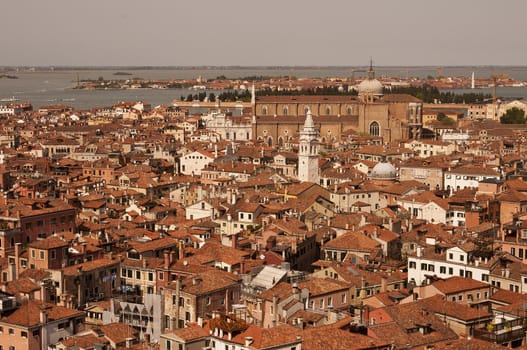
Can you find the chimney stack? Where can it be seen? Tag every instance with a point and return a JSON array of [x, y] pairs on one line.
[[43, 292], [384, 284], [248, 341], [166, 259], [181, 250]]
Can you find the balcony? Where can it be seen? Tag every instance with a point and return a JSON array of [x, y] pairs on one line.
[[504, 332]]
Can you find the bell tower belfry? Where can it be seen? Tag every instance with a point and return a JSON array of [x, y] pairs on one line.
[[308, 169]]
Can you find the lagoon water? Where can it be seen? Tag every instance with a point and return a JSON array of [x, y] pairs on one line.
[[55, 86]]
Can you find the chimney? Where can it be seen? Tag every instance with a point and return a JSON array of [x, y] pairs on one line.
[[275, 311], [419, 252], [248, 341], [200, 322], [234, 238], [43, 292], [294, 245], [181, 250], [43, 316], [384, 284], [166, 260], [365, 314], [300, 322], [242, 266], [296, 291]]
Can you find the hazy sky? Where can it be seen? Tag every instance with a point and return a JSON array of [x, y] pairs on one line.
[[270, 32]]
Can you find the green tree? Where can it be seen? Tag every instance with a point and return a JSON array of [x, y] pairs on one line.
[[513, 116], [443, 119]]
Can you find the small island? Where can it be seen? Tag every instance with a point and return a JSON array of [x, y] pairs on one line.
[[7, 76]]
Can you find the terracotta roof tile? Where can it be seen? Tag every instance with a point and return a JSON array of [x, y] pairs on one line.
[[28, 314], [329, 338], [458, 284]]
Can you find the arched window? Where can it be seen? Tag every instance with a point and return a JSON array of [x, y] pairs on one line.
[[270, 141], [264, 110], [374, 129], [306, 108], [280, 141], [285, 110], [328, 110], [348, 110]]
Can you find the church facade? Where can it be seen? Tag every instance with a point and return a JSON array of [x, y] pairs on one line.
[[278, 119]]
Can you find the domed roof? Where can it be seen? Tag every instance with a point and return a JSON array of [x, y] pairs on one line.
[[384, 171], [370, 87]]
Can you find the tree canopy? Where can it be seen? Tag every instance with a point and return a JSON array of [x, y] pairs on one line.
[[431, 94], [443, 119], [513, 116]]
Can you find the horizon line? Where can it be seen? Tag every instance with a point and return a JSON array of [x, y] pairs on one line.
[[253, 66]]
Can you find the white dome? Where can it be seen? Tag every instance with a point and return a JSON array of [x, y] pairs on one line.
[[370, 86], [384, 171]]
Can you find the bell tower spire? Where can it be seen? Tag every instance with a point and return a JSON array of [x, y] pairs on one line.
[[371, 72], [308, 169]]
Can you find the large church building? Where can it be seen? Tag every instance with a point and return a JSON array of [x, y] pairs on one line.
[[392, 116]]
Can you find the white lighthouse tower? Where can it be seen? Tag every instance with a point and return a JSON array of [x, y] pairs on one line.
[[308, 169]]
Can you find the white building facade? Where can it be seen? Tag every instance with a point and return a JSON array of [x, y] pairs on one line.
[[454, 262], [467, 177], [193, 162]]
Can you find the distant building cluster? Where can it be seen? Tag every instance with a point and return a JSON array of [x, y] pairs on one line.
[[290, 222]]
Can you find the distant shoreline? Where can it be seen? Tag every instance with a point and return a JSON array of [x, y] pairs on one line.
[[74, 68]]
